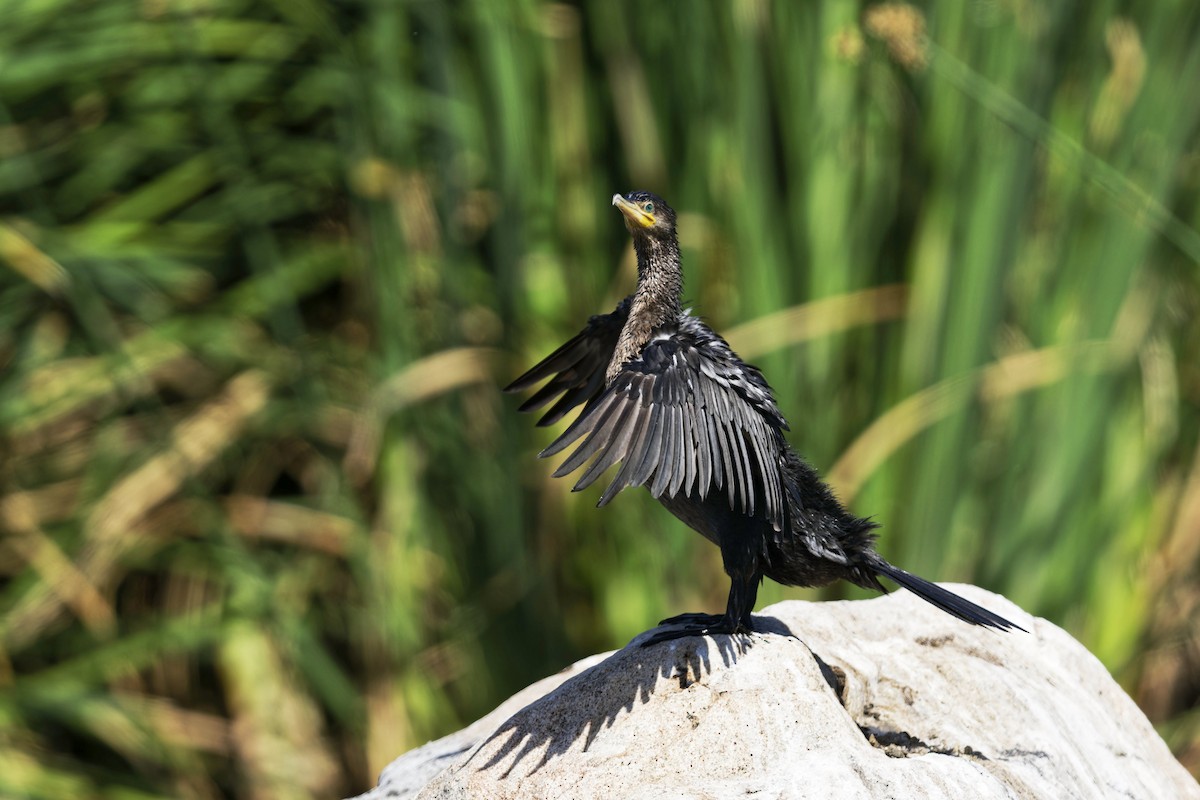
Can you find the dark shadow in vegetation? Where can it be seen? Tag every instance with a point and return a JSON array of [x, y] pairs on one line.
[[593, 700]]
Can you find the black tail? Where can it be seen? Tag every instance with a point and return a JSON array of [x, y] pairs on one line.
[[945, 600]]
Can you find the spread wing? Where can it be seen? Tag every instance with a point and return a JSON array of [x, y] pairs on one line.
[[578, 367], [685, 416]]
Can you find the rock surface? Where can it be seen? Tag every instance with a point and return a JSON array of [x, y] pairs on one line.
[[882, 698]]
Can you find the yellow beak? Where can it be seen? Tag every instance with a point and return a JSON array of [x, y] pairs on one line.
[[635, 217]]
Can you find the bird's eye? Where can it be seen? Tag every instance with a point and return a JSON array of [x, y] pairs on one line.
[[648, 207]]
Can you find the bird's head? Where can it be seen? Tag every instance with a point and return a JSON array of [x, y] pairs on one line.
[[646, 215]]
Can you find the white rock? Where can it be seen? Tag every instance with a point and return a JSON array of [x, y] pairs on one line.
[[882, 698]]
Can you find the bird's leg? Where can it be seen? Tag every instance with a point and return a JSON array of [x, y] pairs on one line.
[[740, 554], [736, 619], [742, 594], [743, 590], [693, 617]]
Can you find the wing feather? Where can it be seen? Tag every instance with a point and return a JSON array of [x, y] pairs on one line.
[[580, 393], [592, 424], [688, 473], [703, 456], [686, 416], [577, 366], [665, 461], [714, 451], [736, 438], [679, 451], [648, 458], [616, 435], [640, 427], [725, 447], [561, 382]]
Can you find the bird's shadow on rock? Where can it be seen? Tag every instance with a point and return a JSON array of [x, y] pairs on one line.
[[591, 701]]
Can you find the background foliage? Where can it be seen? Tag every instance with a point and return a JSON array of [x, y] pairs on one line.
[[268, 522]]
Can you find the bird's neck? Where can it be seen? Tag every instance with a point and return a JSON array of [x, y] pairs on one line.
[[656, 301]]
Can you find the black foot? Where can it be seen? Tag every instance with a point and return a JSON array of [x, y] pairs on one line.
[[696, 625], [704, 620]]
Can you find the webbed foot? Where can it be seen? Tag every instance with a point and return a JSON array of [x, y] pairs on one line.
[[686, 625], [704, 620]]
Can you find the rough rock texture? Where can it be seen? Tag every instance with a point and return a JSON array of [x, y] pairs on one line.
[[882, 698]]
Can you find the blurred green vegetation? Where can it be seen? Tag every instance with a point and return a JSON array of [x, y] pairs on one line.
[[268, 522]]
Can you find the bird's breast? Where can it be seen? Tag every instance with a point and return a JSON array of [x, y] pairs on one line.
[[712, 518]]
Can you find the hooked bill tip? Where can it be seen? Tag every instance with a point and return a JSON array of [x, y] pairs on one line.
[[616, 199]]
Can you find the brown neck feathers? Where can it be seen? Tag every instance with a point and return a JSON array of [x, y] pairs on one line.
[[656, 302]]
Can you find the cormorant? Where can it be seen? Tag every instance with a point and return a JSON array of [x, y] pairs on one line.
[[667, 398]]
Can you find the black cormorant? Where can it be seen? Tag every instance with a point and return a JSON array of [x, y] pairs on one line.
[[667, 399]]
